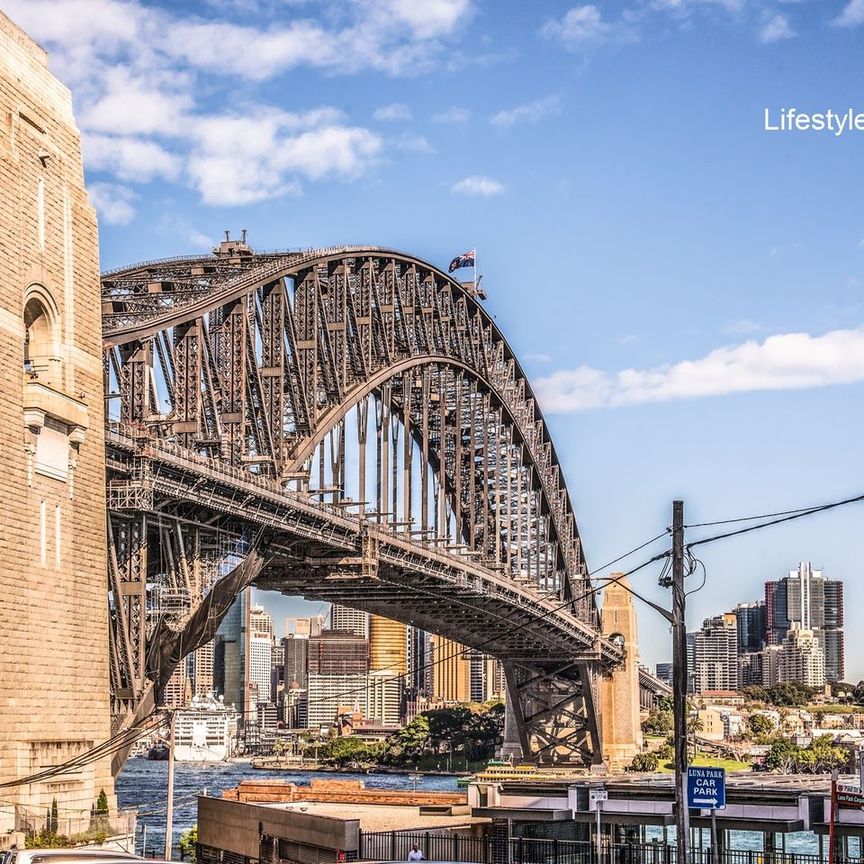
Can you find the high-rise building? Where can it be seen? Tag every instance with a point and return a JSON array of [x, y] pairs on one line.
[[806, 600], [388, 645], [486, 677], [260, 662], [691, 662], [337, 652], [664, 672], [750, 618], [261, 623], [384, 697], [330, 695], [304, 626], [419, 678], [295, 651], [716, 654], [801, 659], [201, 669], [750, 668], [351, 620], [231, 656], [451, 672]]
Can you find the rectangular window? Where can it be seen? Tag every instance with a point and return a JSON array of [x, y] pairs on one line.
[[52, 450]]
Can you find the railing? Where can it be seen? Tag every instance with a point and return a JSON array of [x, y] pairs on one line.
[[445, 846]]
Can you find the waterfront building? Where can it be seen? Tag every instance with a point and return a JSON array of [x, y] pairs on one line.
[[716, 654], [388, 645], [54, 695], [351, 620], [295, 707], [451, 672]]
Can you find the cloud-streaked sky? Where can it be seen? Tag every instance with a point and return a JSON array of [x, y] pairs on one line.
[[685, 288]]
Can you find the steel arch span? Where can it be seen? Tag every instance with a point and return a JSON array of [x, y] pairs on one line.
[[346, 424]]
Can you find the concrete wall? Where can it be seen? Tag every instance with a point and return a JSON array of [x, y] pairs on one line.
[[237, 827], [54, 688]]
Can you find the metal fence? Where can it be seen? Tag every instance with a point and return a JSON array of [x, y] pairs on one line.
[[396, 845]]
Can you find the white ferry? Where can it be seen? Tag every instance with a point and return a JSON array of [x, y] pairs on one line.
[[205, 731]]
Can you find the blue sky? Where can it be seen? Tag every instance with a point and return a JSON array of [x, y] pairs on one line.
[[683, 287]]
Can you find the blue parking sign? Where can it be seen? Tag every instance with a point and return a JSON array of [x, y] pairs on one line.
[[706, 788]]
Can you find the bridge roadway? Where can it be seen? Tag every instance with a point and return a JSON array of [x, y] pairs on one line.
[[320, 552], [247, 393]]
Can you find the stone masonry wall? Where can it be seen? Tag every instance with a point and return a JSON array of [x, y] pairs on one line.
[[54, 687]]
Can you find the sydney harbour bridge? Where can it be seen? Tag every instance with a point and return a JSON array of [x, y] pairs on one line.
[[345, 424]]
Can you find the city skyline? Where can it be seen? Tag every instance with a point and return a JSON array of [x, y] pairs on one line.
[[689, 309]]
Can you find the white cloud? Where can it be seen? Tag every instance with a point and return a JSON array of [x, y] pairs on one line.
[[581, 27], [113, 202], [454, 115], [241, 159], [852, 14], [483, 187], [130, 159], [531, 112], [776, 29], [392, 112], [787, 361], [426, 18]]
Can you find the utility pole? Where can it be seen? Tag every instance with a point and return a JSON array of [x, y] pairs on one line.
[[169, 811], [679, 683]]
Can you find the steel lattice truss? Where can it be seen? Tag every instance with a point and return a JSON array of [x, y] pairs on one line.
[[354, 417]]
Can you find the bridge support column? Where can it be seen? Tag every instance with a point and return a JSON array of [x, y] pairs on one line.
[[552, 709], [619, 689]]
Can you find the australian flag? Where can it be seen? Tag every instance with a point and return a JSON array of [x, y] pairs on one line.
[[464, 260]]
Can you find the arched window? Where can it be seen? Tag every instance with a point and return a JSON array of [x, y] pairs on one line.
[[41, 354]]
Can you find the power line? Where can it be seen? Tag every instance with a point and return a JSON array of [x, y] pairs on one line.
[[796, 514]]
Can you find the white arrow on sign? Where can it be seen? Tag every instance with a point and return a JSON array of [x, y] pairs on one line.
[[704, 801]]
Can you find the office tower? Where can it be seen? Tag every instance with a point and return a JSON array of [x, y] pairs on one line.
[[751, 624], [304, 626], [260, 663], [691, 662], [201, 669], [716, 654], [231, 660], [337, 652], [771, 664], [177, 691], [295, 707], [485, 678], [451, 672], [384, 698], [388, 645], [261, 623], [419, 678], [295, 651], [330, 695], [663, 671], [351, 620], [750, 669], [806, 600], [802, 659]]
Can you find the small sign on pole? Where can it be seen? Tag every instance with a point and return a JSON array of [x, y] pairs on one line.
[[706, 788], [598, 794]]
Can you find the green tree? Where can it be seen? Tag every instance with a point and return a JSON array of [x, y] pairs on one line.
[[760, 724], [826, 755], [54, 822], [644, 762], [658, 722], [102, 803], [188, 843], [783, 756]]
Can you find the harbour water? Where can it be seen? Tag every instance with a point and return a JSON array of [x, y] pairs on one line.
[[143, 783]]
